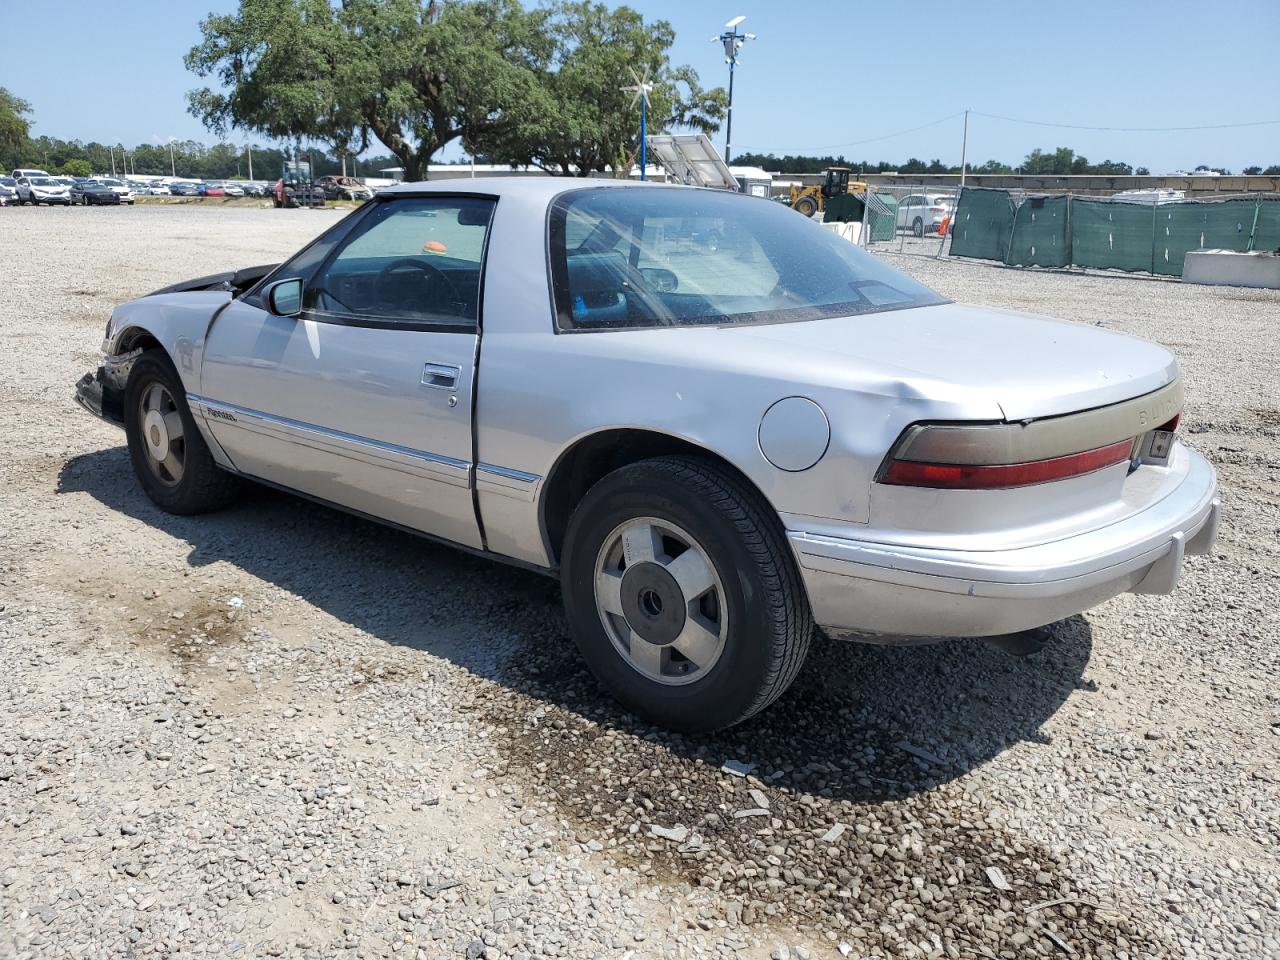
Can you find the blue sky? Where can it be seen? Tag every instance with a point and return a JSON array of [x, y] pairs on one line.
[[821, 77]]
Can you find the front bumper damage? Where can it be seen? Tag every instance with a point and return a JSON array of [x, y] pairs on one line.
[[102, 391]]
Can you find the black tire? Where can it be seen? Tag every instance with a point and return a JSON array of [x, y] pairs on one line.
[[806, 206], [203, 486], [917, 227], [769, 627]]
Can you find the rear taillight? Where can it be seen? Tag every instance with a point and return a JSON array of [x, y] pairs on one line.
[[994, 455], [996, 476]]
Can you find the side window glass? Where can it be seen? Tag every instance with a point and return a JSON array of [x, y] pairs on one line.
[[413, 260]]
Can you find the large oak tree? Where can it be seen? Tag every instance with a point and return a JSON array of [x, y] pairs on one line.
[[538, 86]]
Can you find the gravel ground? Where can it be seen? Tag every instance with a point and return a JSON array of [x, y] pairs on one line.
[[281, 731]]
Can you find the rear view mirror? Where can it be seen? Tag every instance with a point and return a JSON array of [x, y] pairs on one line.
[[284, 298], [660, 279]]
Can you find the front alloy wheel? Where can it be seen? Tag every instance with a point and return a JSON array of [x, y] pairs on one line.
[[170, 458], [163, 434]]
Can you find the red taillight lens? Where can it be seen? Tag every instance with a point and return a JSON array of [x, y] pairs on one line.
[[949, 476]]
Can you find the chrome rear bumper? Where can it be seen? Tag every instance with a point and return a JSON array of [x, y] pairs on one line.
[[858, 588]]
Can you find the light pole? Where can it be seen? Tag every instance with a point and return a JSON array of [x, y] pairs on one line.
[[112, 150], [173, 170], [641, 89], [733, 41]]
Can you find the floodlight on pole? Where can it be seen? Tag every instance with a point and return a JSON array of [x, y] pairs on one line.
[[732, 41], [640, 91]]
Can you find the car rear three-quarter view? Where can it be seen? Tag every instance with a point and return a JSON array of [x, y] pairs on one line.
[[722, 426]]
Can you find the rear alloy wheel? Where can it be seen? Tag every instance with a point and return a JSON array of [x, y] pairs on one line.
[[682, 595], [170, 458], [917, 227], [666, 617]]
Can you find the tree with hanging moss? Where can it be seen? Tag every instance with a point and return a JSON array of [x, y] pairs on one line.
[[15, 129], [415, 76]]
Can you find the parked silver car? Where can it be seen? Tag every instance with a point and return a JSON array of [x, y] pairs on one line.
[[923, 213], [715, 447]]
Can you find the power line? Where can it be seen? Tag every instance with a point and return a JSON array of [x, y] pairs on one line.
[[1077, 126], [887, 136]]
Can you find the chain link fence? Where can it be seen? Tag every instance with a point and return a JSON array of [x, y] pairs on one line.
[[910, 220]]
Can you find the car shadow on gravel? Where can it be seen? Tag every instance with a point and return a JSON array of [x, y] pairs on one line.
[[861, 724]]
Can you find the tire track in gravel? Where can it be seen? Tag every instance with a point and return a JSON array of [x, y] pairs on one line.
[[911, 868]]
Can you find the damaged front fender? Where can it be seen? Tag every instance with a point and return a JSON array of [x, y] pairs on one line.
[[102, 392]]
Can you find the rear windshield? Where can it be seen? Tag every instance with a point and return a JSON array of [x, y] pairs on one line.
[[625, 257]]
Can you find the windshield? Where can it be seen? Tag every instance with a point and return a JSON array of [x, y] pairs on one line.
[[41, 182], [648, 257], [8, 182], [113, 183]]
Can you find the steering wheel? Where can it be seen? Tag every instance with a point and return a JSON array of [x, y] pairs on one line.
[[438, 283]]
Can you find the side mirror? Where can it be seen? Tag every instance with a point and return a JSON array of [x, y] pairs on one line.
[[284, 298]]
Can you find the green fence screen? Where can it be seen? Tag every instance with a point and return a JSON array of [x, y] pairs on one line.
[[1110, 234], [884, 226], [1041, 233], [1222, 225], [984, 221], [1266, 229], [1063, 231]]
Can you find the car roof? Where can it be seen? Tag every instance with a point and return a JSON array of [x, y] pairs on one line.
[[528, 187]]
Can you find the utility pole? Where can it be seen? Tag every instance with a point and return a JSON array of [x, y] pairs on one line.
[[733, 41], [173, 170], [249, 150], [112, 150], [964, 147]]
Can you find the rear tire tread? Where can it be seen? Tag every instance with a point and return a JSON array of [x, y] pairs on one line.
[[789, 621]]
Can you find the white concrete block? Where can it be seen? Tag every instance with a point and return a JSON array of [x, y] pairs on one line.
[[1231, 269]]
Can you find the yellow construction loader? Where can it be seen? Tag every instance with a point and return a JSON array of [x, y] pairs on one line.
[[813, 199]]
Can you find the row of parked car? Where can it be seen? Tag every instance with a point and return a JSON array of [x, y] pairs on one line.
[[29, 185]]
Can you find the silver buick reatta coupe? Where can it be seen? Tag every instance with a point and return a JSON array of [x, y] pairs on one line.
[[722, 426]]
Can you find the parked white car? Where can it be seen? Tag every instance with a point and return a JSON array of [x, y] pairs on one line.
[[715, 447], [8, 191], [36, 190], [923, 213]]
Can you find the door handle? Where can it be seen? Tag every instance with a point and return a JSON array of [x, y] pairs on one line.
[[440, 375]]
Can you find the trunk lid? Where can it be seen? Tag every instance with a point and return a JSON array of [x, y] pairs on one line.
[[1031, 366]]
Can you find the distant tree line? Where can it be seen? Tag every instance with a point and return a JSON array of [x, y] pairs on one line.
[[1060, 162]]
